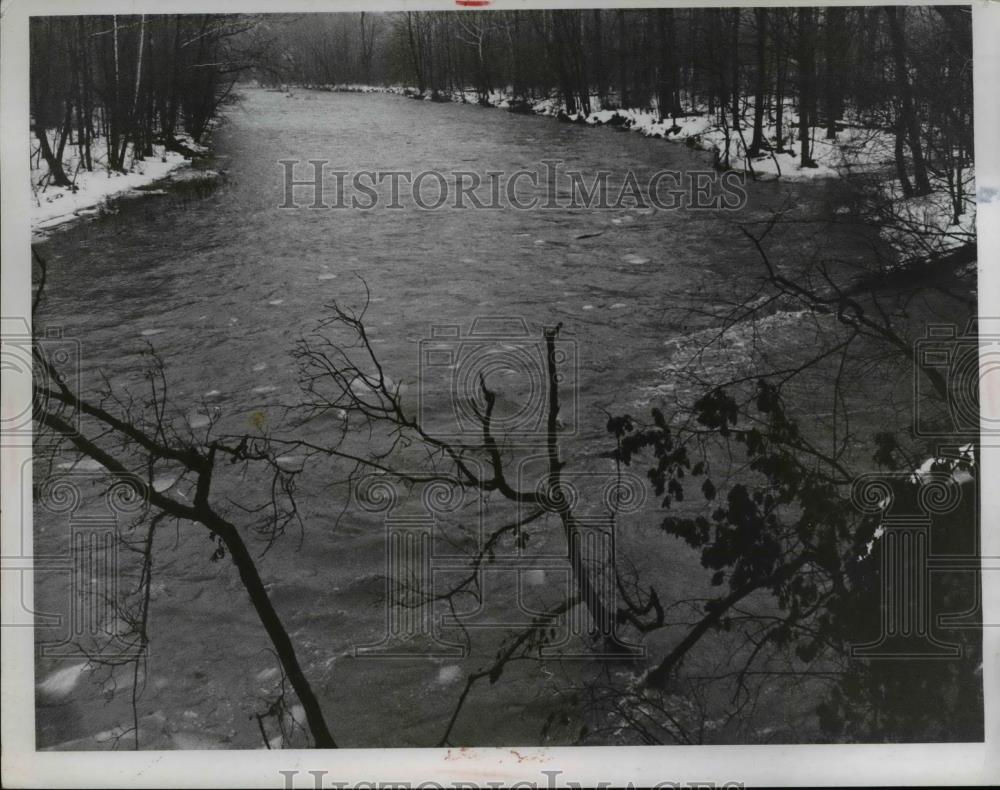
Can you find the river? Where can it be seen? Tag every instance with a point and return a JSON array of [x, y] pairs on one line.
[[222, 283]]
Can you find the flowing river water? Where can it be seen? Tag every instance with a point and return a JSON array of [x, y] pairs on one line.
[[223, 282]]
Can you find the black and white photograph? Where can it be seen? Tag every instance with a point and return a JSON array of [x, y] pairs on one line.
[[500, 376]]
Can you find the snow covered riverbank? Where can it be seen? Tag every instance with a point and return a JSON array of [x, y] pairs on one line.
[[919, 226], [91, 189], [856, 148]]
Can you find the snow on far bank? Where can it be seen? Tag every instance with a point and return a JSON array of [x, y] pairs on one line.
[[701, 132], [52, 206], [917, 226], [854, 148]]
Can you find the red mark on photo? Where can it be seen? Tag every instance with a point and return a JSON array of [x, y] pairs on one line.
[[472, 3]]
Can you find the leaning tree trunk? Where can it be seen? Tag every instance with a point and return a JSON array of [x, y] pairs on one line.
[[55, 166], [200, 512], [282, 643]]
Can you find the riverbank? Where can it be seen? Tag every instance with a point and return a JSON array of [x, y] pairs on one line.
[[856, 148], [920, 227], [90, 190]]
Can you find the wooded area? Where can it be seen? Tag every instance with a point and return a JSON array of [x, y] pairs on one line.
[[769, 76], [113, 86], [904, 70]]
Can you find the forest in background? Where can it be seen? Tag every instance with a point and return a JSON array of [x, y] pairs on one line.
[[903, 70], [769, 76], [112, 87]]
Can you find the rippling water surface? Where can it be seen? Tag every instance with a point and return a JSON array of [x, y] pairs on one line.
[[222, 284]]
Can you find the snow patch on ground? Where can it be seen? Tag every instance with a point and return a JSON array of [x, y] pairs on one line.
[[91, 190], [955, 467], [927, 223]]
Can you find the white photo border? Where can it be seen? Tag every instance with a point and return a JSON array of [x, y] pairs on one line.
[[643, 766]]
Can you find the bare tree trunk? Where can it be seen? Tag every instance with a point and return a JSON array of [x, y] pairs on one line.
[[833, 40], [67, 128], [667, 68], [807, 96], [599, 71], [734, 64], [623, 87], [415, 53], [367, 49], [282, 643], [114, 158], [760, 84], [520, 89], [80, 87], [900, 157], [579, 60], [137, 146], [200, 512], [559, 48], [908, 116], [780, 78], [56, 171]]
